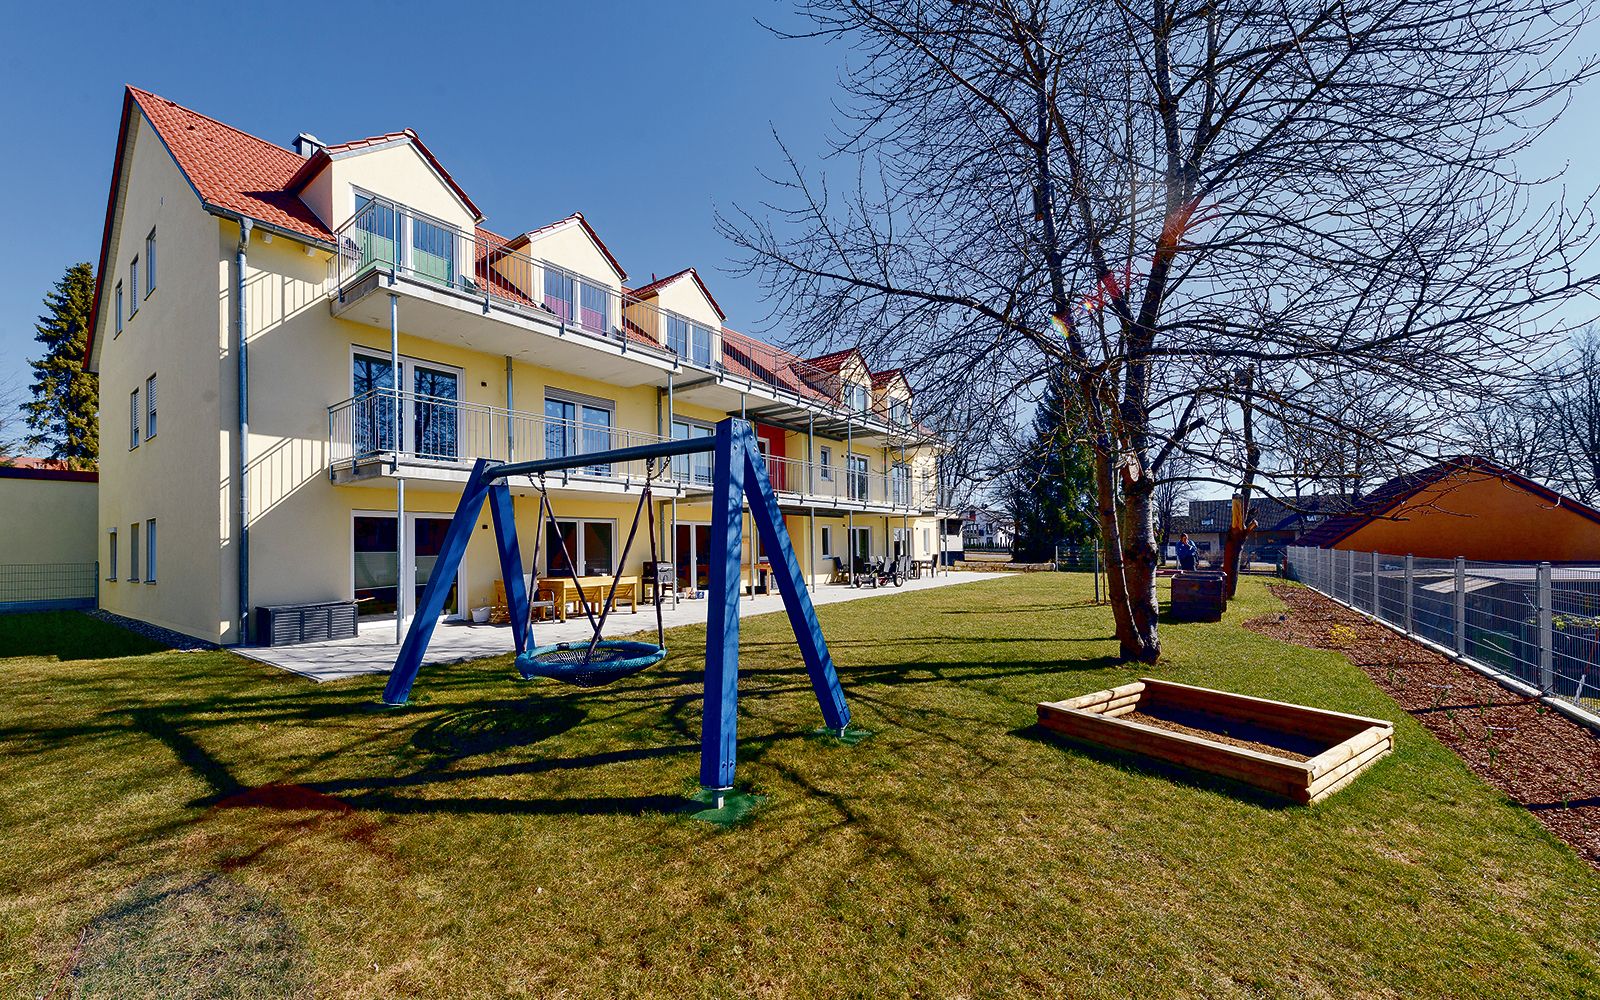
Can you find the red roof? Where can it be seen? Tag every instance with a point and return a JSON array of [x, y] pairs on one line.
[[655, 286], [835, 361], [30, 467], [881, 379], [1389, 499], [230, 169]]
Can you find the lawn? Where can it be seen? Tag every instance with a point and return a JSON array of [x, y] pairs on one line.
[[499, 839]]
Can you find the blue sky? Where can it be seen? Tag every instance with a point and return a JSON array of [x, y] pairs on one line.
[[644, 116]]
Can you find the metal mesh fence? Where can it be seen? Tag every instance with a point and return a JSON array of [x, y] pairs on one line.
[[23, 583], [1535, 622]]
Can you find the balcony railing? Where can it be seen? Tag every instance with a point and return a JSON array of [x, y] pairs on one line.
[[384, 237], [447, 433]]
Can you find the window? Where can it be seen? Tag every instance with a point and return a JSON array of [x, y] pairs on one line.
[[433, 251], [133, 552], [119, 307], [595, 311], [150, 407], [856, 396], [899, 412], [150, 262], [900, 484], [678, 336], [133, 287], [577, 425], [558, 293], [133, 420], [150, 551], [827, 542], [111, 554], [825, 464], [856, 473], [587, 542], [700, 345], [374, 233], [691, 468]]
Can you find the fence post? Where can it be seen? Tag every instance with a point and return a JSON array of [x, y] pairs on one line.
[[1461, 606], [1350, 577], [1410, 576], [1546, 628]]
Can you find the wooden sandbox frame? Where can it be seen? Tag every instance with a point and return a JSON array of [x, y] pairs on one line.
[[1352, 743]]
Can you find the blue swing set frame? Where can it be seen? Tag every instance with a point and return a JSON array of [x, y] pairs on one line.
[[739, 473]]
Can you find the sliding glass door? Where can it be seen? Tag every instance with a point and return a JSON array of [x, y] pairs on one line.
[[377, 569]]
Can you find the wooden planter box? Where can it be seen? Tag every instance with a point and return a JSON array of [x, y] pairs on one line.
[[1336, 747]]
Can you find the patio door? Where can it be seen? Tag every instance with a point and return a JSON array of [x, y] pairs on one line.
[[430, 414], [860, 548], [692, 548], [382, 571]]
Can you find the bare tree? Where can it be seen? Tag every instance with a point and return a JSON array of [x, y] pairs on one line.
[[1566, 419], [1144, 195]]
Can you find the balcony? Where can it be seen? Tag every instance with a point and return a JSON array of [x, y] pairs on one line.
[[452, 271], [441, 438]]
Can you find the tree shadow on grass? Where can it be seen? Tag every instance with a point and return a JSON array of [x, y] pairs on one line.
[[1157, 768], [68, 635]]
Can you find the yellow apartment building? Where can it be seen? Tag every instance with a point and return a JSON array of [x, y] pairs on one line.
[[302, 350]]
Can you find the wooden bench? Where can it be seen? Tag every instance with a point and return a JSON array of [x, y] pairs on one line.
[[542, 603]]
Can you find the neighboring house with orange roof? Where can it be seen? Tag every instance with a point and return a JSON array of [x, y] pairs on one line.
[[1466, 506], [333, 335]]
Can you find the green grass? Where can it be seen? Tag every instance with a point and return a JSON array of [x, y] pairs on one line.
[[499, 839]]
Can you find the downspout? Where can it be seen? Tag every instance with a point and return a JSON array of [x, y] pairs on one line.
[[242, 353]]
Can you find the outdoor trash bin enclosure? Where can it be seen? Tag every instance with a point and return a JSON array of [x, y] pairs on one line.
[[287, 624], [1198, 597]]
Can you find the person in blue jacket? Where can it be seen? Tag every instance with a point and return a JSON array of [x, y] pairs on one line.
[[1188, 555]]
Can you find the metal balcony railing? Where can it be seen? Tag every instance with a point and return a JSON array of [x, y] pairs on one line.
[[385, 237], [449, 434]]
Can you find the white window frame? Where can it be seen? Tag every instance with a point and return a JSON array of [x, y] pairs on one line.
[[150, 407], [150, 262], [578, 401], [574, 540], [133, 286], [827, 542], [111, 554], [825, 463], [119, 310], [133, 419], [407, 394], [150, 550], [402, 539]]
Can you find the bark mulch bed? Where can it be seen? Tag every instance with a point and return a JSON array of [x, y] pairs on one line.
[[1535, 755]]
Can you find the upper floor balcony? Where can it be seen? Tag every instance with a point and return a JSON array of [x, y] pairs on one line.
[[440, 438], [550, 315]]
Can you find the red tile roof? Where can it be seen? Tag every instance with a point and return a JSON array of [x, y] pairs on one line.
[[655, 286], [881, 379], [835, 361], [230, 169]]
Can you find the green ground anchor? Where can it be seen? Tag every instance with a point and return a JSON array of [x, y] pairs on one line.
[[737, 806], [849, 736]]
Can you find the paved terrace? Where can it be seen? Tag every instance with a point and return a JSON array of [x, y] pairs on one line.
[[373, 650]]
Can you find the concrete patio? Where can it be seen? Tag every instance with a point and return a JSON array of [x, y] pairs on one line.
[[373, 650]]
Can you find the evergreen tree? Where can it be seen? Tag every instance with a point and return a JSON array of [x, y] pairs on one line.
[[63, 413], [1052, 491]]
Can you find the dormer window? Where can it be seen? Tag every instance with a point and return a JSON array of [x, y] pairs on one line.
[[595, 311], [857, 397], [558, 293], [689, 341], [899, 412]]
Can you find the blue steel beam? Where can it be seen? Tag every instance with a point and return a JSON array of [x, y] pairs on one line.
[[779, 548], [440, 581], [661, 449], [720, 714], [505, 536]]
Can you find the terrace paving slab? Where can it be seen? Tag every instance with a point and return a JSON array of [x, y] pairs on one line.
[[373, 649]]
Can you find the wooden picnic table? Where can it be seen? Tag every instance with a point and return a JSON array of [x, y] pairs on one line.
[[595, 591]]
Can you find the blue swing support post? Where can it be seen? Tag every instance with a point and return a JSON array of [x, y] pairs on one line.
[[739, 474]]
